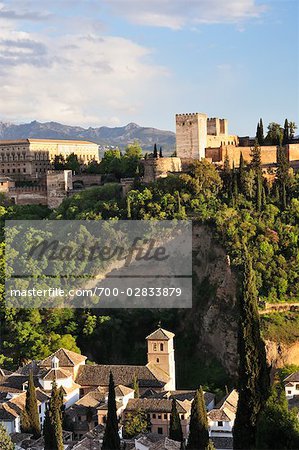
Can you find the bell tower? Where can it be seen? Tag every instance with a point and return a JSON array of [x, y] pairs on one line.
[[160, 355]]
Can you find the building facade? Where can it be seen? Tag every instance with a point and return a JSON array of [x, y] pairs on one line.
[[29, 159]]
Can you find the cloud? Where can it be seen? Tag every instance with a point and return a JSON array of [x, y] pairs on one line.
[[177, 14], [85, 79], [13, 14], [22, 51]]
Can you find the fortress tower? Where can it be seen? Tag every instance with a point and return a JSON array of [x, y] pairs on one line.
[[160, 356], [191, 135]]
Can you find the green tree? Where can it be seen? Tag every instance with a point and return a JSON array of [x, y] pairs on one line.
[[136, 423], [111, 440], [130, 160], [207, 177], [160, 153], [253, 384], [155, 151], [133, 151], [175, 427], [286, 135], [198, 433], [5, 441], [72, 163], [275, 134], [93, 167], [277, 428], [52, 429], [59, 162], [292, 128], [31, 416]]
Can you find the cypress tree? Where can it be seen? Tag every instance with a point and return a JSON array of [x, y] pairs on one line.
[[155, 151], [5, 441], [175, 428], [25, 422], [235, 189], [286, 135], [198, 434], [260, 133], [259, 192], [241, 173], [160, 153], [261, 136], [282, 175], [52, 429], [227, 176], [30, 418], [257, 134], [136, 387], [111, 440], [264, 198], [254, 380], [256, 158]]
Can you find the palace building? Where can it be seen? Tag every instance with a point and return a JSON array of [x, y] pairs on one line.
[[29, 159]]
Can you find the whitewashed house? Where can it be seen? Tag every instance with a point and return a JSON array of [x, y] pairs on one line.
[[291, 384], [221, 419]]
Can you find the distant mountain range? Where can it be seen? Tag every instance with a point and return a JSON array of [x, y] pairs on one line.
[[104, 136]]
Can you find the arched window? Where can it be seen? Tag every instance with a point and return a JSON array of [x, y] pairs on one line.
[[161, 347]]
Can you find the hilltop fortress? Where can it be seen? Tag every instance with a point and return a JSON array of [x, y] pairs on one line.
[[198, 137]]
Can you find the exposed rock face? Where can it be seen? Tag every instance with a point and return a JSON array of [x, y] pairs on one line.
[[280, 354], [214, 299], [215, 312]]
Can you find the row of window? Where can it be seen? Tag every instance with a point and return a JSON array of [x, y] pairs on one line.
[[22, 156], [165, 416]]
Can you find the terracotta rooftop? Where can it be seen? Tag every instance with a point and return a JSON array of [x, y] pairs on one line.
[[218, 414], [98, 375], [157, 442], [159, 405], [7, 413], [55, 374], [122, 390], [180, 395], [93, 398], [230, 401], [67, 358], [161, 335], [14, 383], [294, 377]]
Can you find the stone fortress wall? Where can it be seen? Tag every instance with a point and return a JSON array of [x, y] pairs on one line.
[[192, 134], [160, 167]]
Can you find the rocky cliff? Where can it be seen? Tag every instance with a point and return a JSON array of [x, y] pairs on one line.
[[214, 299]]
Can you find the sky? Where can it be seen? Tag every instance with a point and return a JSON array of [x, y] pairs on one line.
[[111, 62]]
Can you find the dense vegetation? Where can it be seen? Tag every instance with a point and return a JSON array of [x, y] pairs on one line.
[[240, 206]]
